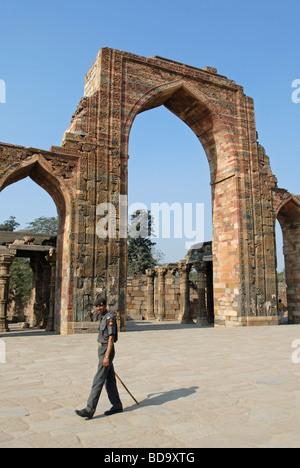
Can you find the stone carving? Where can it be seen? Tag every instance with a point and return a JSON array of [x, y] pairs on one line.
[[91, 166]]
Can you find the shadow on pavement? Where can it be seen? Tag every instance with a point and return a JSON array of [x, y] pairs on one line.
[[158, 399], [135, 326], [17, 332]]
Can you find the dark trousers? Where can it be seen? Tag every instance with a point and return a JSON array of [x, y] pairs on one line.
[[105, 375]]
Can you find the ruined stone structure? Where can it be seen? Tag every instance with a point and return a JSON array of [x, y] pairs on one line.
[[167, 292], [90, 168], [41, 250]]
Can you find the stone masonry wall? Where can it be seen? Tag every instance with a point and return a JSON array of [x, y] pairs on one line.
[[137, 297], [90, 169]]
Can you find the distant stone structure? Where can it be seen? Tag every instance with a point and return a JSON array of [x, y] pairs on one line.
[[41, 250], [90, 169], [167, 292]]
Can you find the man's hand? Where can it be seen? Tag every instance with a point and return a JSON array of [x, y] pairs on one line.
[[106, 361]]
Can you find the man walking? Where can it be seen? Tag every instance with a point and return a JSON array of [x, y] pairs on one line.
[[108, 335]]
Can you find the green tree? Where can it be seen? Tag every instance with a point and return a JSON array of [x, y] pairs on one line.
[[20, 284], [141, 256], [44, 225], [9, 225], [281, 277]]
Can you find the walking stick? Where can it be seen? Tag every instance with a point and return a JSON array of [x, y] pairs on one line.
[[126, 388]]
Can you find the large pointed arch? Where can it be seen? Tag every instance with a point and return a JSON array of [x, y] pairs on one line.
[[189, 104]]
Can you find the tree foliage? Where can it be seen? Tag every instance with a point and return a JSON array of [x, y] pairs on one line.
[[20, 285], [141, 253], [21, 276], [281, 277], [9, 225], [44, 225]]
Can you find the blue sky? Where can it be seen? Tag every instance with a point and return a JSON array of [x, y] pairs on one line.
[[46, 48]]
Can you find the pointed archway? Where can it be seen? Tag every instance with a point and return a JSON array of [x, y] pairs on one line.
[[200, 114], [289, 218], [41, 172], [91, 169]]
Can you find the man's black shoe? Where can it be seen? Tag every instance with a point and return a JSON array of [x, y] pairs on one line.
[[113, 411], [84, 414]]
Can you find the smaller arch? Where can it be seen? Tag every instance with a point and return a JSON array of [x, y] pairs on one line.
[[289, 210], [40, 171], [281, 200], [288, 215]]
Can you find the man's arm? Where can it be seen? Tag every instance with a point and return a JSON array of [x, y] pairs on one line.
[[111, 341]]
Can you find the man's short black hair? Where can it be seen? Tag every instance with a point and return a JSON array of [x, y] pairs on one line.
[[100, 302]]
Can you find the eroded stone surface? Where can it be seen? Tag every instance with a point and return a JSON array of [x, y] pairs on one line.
[[90, 168]]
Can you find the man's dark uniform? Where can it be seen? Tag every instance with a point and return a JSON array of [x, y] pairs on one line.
[[105, 375], [108, 326]]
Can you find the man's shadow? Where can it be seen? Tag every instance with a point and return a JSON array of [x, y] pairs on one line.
[[158, 399]]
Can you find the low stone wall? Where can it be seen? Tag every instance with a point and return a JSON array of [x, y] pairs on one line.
[[137, 296]]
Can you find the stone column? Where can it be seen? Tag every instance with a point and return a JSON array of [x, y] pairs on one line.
[[185, 309], [38, 291], [150, 294], [5, 262], [161, 293], [210, 292], [51, 258], [202, 318], [46, 291]]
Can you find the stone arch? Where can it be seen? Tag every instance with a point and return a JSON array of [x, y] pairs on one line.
[[288, 215], [190, 105], [43, 174], [91, 168], [195, 109], [121, 85]]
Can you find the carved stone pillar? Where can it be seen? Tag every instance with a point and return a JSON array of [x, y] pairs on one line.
[[161, 293], [150, 294], [202, 318], [51, 258], [121, 319], [38, 291], [210, 292], [46, 291], [185, 308], [5, 262]]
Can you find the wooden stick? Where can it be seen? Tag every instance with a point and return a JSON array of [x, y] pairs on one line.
[[126, 388]]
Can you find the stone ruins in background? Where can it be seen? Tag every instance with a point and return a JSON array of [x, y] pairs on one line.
[[90, 168]]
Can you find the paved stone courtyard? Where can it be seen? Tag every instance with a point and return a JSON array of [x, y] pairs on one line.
[[197, 387]]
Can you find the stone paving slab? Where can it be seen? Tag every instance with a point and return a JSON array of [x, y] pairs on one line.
[[197, 387]]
